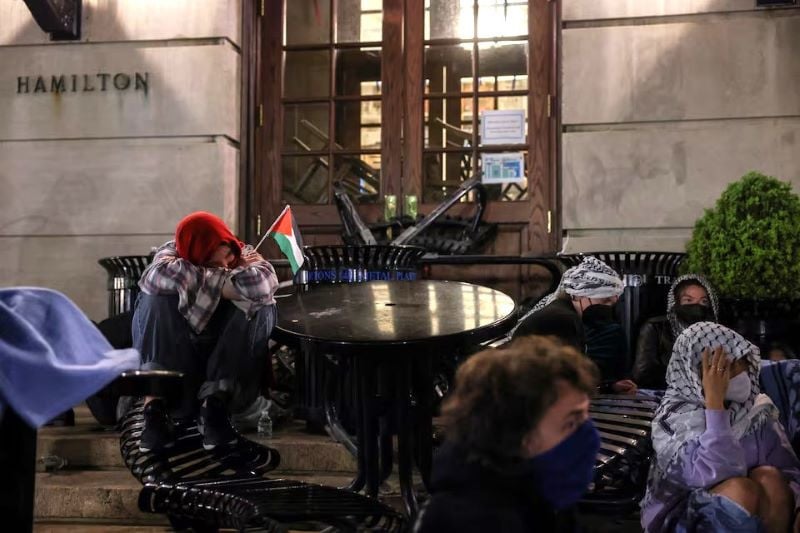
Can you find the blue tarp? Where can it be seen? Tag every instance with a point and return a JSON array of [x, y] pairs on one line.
[[51, 355]]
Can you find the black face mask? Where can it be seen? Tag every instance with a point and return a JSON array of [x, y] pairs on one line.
[[691, 313], [599, 314]]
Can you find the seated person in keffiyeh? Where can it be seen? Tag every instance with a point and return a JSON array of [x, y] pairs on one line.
[[690, 299], [722, 460], [207, 310], [580, 312]]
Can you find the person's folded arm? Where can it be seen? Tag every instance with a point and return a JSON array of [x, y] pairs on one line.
[[255, 282], [712, 458]]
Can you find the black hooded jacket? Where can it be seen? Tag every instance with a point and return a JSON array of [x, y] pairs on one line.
[[657, 336], [467, 497]]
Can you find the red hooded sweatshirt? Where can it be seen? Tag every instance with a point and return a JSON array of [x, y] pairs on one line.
[[199, 234]]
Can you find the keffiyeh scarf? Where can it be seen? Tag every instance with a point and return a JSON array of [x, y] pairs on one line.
[[676, 325], [680, 417], [592, 278]]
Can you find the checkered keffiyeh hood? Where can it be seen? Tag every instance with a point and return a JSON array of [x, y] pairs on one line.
[[681, 415], [676, 325], [591, 279]]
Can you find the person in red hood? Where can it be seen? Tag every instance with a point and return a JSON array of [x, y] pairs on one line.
[[206, 309]]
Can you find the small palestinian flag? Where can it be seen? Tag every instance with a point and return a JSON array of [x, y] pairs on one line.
[[284, 231]]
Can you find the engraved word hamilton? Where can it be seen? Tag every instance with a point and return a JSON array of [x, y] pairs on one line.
[[84, 83]]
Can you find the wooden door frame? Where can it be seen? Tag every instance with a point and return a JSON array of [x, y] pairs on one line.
[[262, 119]]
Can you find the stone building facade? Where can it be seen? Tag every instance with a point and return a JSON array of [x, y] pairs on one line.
[[107, 141]]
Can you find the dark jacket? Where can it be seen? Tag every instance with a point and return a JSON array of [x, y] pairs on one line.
[[560, 319], [468, 497], [605, 342], [657, 335], [653, 351]]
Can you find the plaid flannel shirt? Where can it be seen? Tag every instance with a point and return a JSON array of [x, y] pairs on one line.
[[199, 289]]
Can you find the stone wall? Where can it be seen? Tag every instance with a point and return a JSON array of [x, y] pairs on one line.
[[107, 142], [664, 103]]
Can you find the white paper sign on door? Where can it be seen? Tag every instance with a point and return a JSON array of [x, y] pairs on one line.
[[503, 126]]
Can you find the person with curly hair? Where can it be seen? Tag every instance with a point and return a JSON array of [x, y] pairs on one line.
[[520, 448]]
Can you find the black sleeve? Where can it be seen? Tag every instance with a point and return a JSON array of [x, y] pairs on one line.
[[648, 372], [560, 325]]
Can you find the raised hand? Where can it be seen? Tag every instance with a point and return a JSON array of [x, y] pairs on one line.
[[716, 375]]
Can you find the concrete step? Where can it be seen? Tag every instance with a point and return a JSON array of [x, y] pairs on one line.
[[86, 526], [99, 526], [89, 445], [111, 495], [105, 494]]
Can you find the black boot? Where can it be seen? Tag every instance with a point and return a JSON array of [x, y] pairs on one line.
[[214, 424], [159, 431]]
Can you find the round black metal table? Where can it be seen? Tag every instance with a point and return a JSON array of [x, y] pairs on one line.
[[389, 332]]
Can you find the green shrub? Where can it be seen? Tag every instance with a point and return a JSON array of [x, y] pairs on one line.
[[748, 245]]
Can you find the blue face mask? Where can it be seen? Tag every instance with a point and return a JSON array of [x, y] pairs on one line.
[[563, 473]]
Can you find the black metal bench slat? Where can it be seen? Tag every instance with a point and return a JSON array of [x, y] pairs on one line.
[[617, 438], [603, 458], [617, 450], [622, 420], [628, 404], [617, 398], [624, 424], [633, 432], [225, 487], [648, 415]]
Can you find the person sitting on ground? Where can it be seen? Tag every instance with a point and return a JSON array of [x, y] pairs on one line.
[[207, 310], [780, 380], [780, 351], [580, 313], [722, 460], [690, 299], [519, 445]]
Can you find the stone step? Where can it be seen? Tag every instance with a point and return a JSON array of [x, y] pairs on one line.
[[111, 495], [94, 526], [100, 526], [88, 445]]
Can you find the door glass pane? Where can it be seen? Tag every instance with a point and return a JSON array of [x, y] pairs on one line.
[[308, 22], [357, 122], [444, 123], [512, 83], [360, 176], [358, 72], [513, 102], [449, 19], [505, 58], [305, 127], [445, 66], [502, 18], [359, 21], [305, 179], [307, 74], [443, 172], [509, 191]]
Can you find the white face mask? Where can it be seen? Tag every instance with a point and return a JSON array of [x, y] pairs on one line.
[[738, 388]]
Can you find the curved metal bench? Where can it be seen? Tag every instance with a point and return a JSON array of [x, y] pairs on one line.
[[625, 450], [225, 487]]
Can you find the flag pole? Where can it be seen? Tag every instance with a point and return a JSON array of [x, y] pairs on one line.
[[266, 233]]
